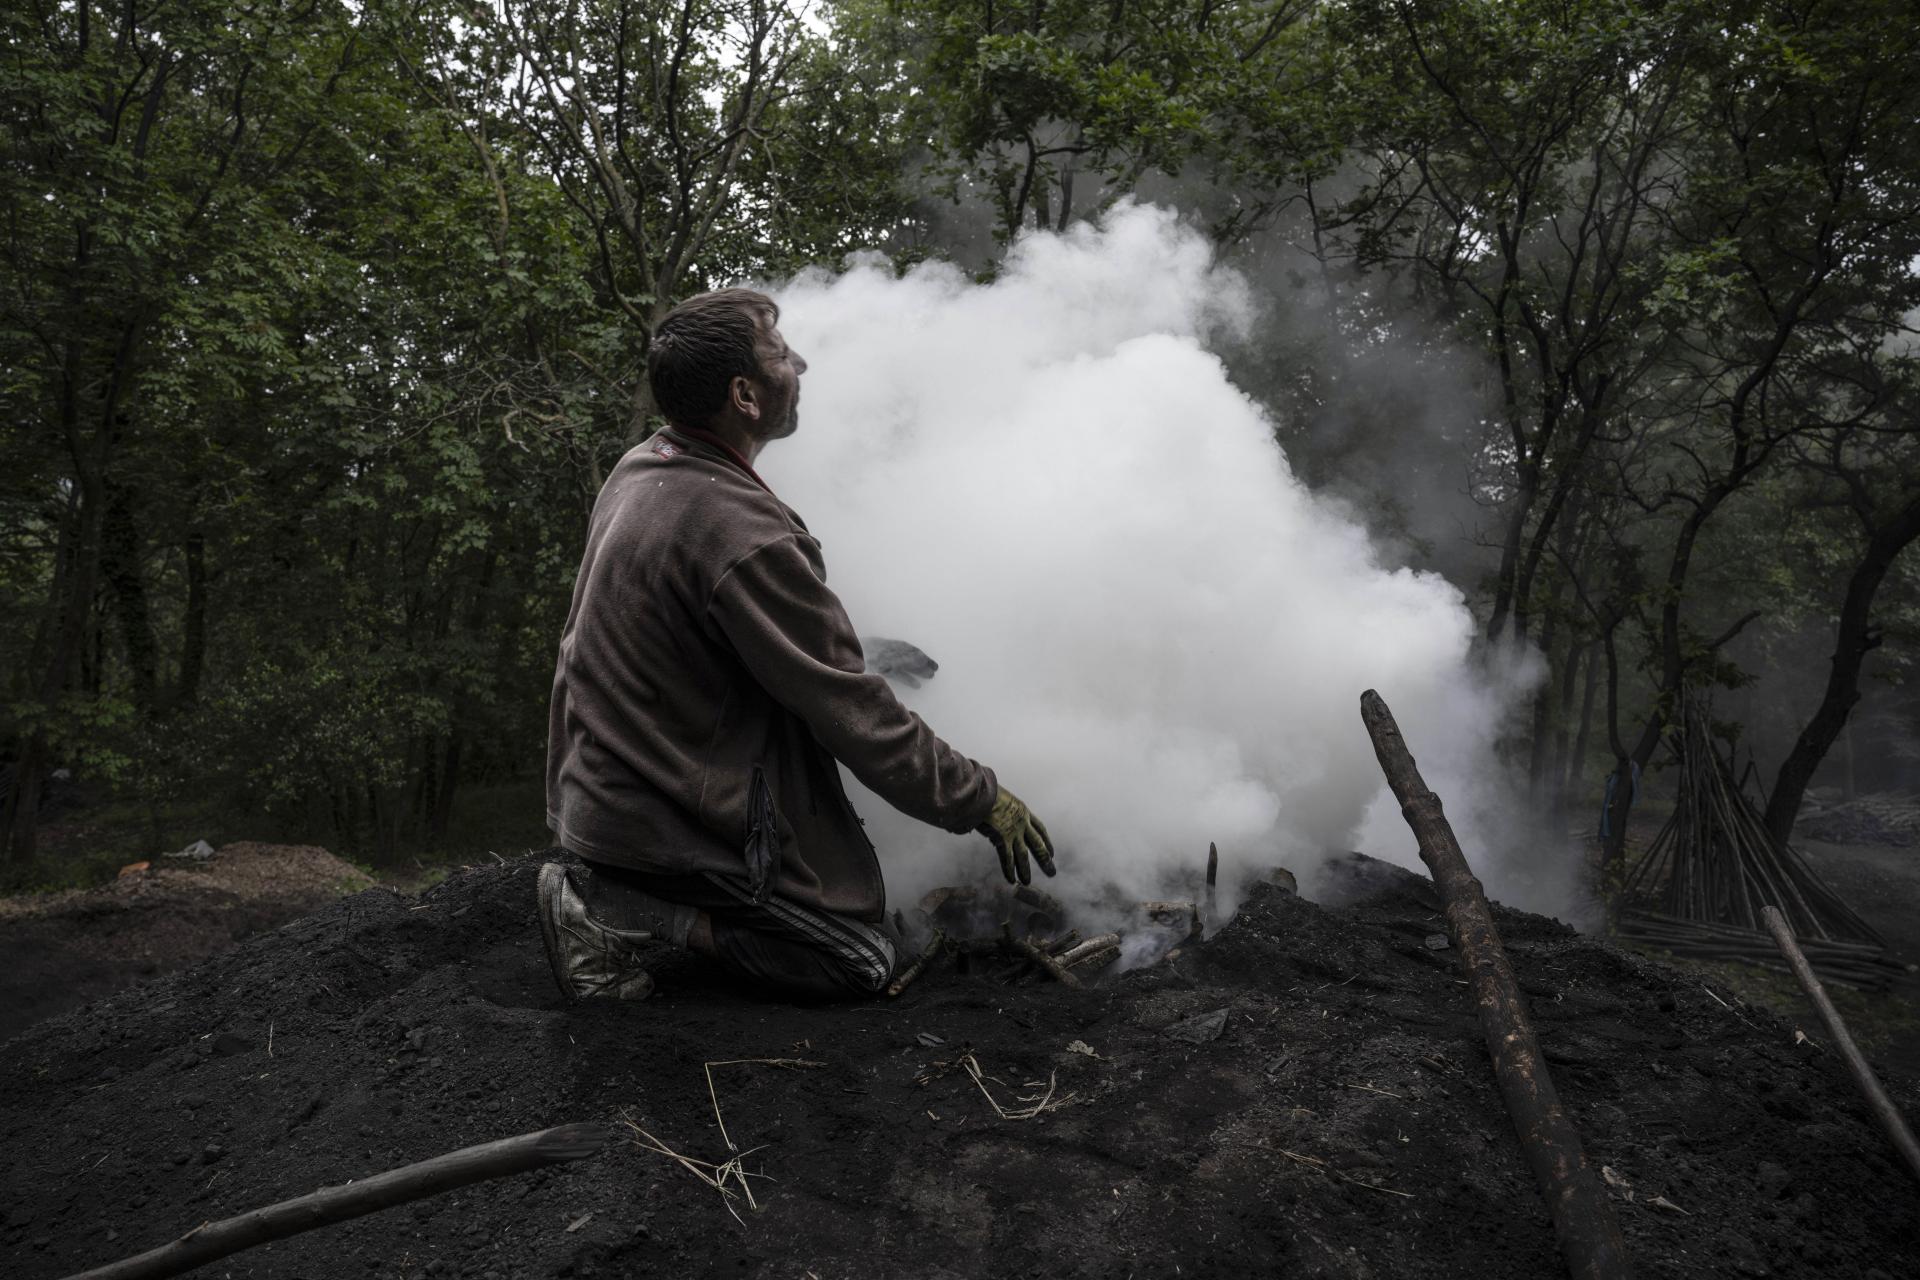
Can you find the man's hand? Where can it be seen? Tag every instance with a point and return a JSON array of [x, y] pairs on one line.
[[1018, 837]]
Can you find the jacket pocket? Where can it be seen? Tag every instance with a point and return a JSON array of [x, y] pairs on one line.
[[763, 837]]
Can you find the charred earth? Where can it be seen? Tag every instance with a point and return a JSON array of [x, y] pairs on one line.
[[1305, 1094]]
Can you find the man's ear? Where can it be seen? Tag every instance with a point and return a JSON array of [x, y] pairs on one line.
[[746, 398]]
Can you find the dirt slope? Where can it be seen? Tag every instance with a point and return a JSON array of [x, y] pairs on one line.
[[60, 950], [381, 1030]]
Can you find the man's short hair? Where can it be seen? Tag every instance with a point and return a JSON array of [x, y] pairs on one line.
[[702, 346]]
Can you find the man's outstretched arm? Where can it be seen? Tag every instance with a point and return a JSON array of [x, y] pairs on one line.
[[796, 639]]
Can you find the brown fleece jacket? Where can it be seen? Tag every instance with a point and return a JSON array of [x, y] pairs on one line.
[[704, 651]]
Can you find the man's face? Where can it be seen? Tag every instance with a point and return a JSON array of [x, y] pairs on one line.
[[780, 370]]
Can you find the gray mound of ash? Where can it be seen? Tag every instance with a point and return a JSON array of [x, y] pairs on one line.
[[1302, 1092], [1025, 934]]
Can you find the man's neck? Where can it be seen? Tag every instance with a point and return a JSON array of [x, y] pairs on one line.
[[734, 436]]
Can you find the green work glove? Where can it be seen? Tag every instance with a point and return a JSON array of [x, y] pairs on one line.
[[1018, 837]]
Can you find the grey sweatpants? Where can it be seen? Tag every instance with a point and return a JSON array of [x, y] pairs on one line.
[[777, 944]]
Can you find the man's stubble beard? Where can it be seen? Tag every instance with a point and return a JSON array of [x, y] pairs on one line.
[[788, 427]]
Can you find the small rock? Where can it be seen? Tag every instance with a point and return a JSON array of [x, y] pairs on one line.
[[1771, 1180], [211, 1152], [1199, 1028], [1437, 942], [229, 1045]]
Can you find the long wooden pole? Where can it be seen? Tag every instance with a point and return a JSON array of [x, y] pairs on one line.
[[1583, 1221], [1891, 1121], [336, 1204]]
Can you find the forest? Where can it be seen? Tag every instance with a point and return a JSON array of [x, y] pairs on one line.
[[324, 320]]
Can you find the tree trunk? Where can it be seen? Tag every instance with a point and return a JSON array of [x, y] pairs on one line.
[[1537, 750], [73, 601], [1576, 763], [1855, 638], [443, 799], [1504, 604], [120, 567], [193, 645]]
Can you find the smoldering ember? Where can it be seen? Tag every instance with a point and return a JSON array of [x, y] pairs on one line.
[[937, 640]]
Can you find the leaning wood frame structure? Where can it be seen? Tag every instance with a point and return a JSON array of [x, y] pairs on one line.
[[1702, 887]]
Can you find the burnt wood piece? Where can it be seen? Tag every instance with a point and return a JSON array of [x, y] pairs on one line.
[[1096, 945], [934, 947], [1891, 1121], [336, 1204], [1025, 947], [1213, 879], [1583, 1221], [1174, 915]]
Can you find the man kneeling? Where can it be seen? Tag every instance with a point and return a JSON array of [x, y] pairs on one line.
[[707, 683]]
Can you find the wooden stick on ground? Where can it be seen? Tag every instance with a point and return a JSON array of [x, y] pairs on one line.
[[1063, 944], [1891, 1121], [336, 1204], [926, 957], [1582, 1219], [1104, 944], [1023, 946]]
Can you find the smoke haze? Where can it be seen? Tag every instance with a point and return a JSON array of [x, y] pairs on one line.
[[1145, 624]]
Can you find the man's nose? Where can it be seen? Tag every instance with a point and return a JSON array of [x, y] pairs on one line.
[[799, 363]]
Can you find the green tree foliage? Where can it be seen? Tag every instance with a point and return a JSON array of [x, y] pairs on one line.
[[323, 322], [320, 334], [1051, 111]]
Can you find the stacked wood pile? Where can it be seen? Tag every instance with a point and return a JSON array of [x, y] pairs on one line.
[[1704, 882], [1887, 818]]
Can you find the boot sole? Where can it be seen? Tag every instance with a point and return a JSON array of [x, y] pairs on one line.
[[553, 878]]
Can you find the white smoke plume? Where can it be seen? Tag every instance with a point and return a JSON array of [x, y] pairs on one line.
[[1154, 634]]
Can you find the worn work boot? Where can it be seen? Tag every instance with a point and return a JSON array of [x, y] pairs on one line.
[[587, 958]]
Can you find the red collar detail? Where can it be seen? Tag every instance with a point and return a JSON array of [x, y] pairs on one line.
[[733, 454]]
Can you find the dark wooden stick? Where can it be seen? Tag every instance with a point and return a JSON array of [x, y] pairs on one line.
[[1025, 947], [925, 958], [336, 1204], [1175, 915], [1096, 945], [1891, 1121], [1063, 943], [1213, 879], [1582, 1219]]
